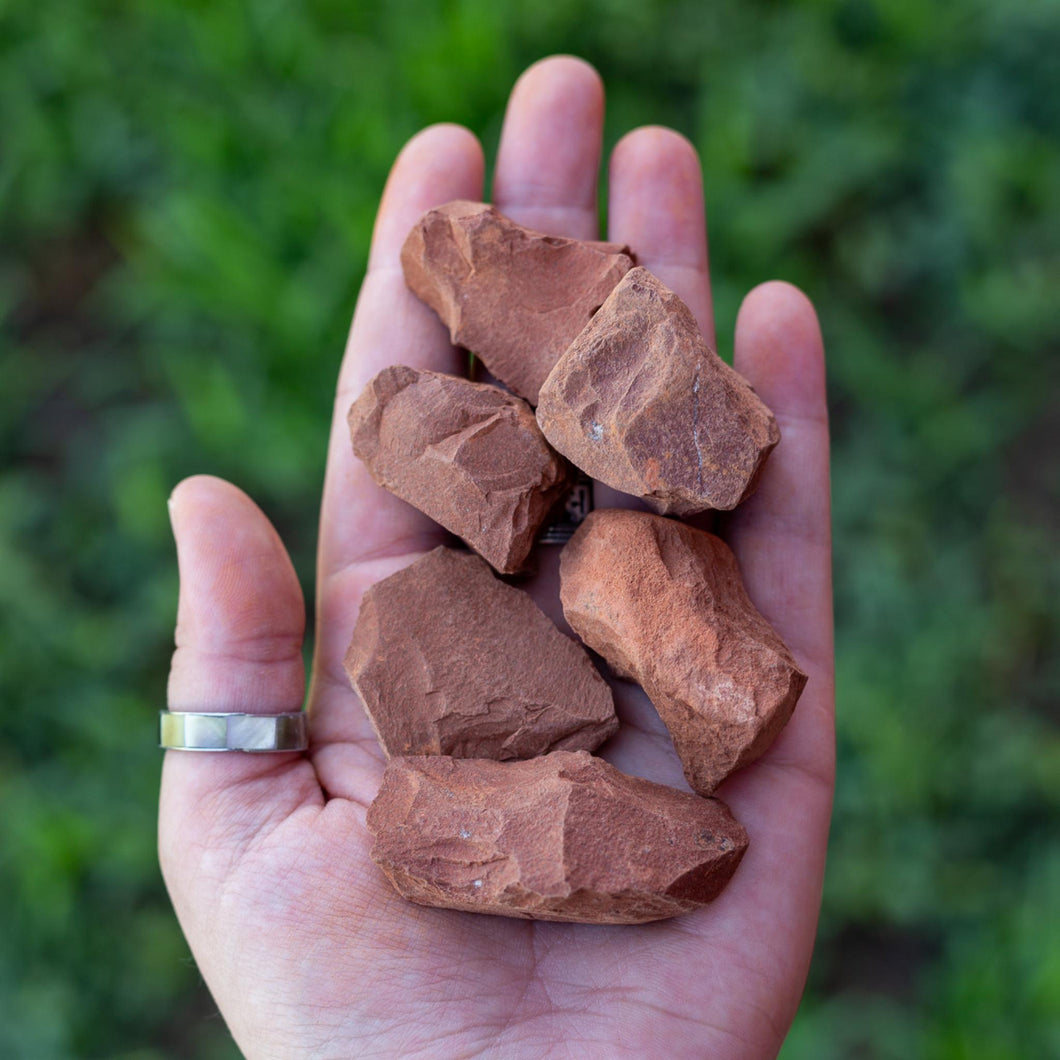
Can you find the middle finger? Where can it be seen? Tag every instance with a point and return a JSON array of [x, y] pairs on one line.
[[549, 155]]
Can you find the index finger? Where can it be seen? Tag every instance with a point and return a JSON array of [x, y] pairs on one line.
[[359, 519], [362, 524]]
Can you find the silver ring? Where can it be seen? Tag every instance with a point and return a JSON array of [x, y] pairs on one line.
[[228, 731]]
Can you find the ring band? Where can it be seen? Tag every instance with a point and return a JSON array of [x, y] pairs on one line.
[[188, 731]]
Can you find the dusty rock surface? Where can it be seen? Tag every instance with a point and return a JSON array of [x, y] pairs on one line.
[[467, 454], [562, 837], [665, 605], [515, 297], [641, 402], [450, 660]]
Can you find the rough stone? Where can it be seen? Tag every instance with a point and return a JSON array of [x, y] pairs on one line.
[[467, 454], [561, 837], [515, 297], [665, 605], [450, 660], [641, 402]]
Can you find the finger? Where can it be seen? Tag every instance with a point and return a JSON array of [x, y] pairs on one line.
[[549, 155], [359, 519], [240, 623], [782, 540], [656, 206], [548, 164], [782, 534], [362, 524]]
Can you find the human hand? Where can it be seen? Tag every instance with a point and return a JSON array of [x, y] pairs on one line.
[[306, 948]]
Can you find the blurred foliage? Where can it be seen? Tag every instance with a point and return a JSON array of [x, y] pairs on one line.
[[186, 198]]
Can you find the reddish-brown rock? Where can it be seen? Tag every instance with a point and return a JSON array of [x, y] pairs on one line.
[[561, 837], [515, 297], [641, 402], [450, 660], [467, 454], [665, 605]]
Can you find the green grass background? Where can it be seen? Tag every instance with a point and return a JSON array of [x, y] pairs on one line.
[[186, 198]]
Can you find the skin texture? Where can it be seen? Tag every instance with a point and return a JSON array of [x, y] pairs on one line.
[[306, 948]]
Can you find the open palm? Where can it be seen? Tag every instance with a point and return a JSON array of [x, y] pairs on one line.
[[306, 948]]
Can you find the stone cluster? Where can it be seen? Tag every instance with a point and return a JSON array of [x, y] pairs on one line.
[[467, 454], [492, 800], [665, 605], [514, 297], [640, 402], [562, 837], [449, 660]]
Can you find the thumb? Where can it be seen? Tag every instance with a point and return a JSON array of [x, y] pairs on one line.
[[240, 623]]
